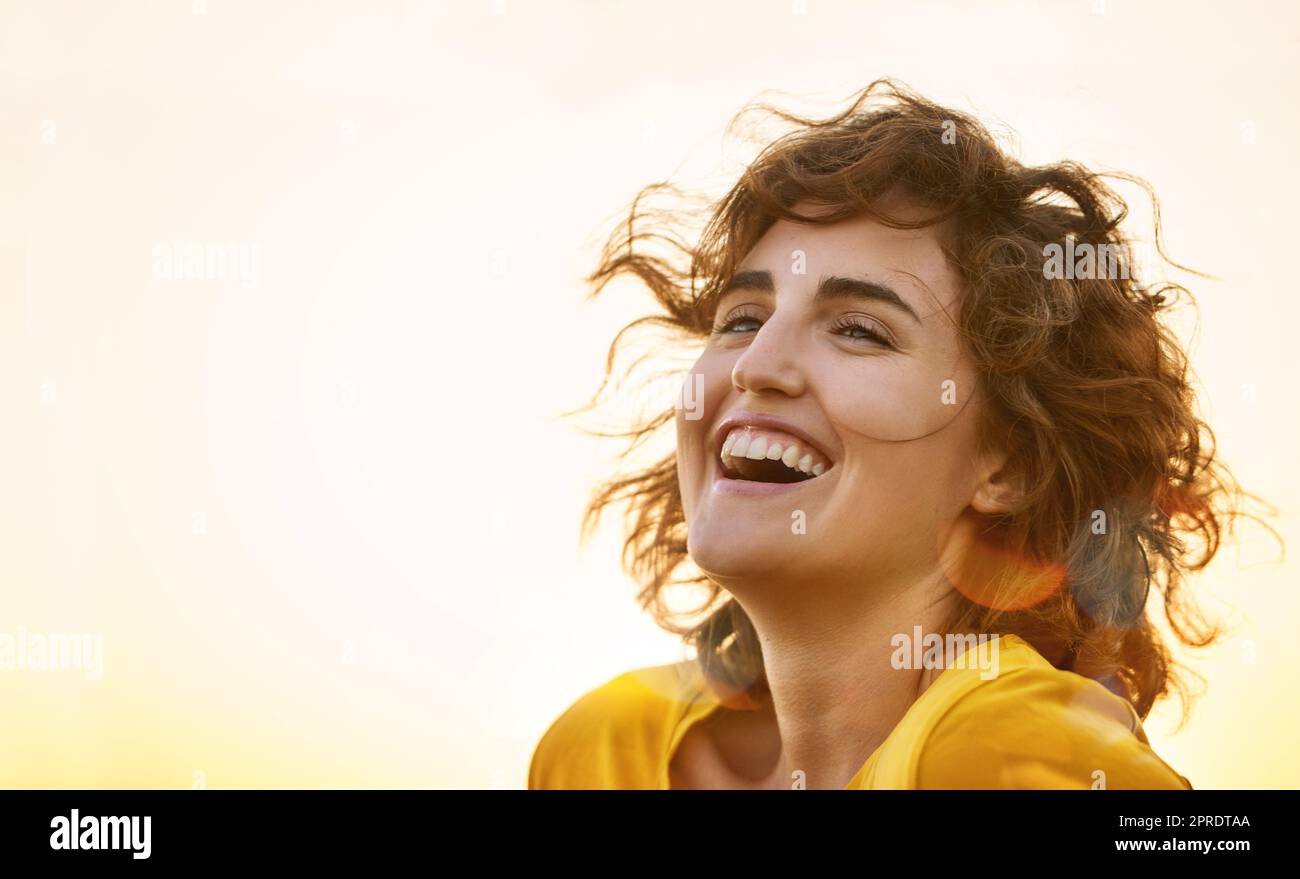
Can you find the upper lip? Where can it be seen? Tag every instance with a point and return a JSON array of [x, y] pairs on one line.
[[759, 421]]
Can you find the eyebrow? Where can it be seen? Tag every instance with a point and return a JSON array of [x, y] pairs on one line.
[[829, 288]]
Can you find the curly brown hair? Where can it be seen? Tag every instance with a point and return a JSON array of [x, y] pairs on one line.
[[1086, 389]]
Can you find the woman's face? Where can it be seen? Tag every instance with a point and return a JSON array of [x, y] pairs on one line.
[[831, 438]]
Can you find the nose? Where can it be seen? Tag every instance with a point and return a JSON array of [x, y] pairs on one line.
[[769, 363]]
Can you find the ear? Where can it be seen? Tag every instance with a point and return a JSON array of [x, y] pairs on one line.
[[999, 487]]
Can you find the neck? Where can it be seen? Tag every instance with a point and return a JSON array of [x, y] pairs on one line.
[[835, 695]]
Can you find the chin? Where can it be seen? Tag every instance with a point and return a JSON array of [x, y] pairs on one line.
[[726, 552]]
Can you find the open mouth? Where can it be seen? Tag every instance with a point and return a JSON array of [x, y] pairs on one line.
[[770, 456]]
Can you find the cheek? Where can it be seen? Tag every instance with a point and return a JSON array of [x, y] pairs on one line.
[[903, 493], [907, 432], [704, 392], [896, 400]]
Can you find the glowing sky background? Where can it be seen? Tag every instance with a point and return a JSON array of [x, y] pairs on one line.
[[327, 524]]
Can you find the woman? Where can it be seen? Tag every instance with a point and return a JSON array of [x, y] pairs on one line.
[[935, 449]]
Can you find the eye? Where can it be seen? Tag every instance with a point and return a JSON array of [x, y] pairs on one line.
[[857, 328], [740, 320]]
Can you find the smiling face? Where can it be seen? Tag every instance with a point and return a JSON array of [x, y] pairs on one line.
[[837, 442]]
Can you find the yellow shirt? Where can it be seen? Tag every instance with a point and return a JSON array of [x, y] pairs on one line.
[[1030, 726]]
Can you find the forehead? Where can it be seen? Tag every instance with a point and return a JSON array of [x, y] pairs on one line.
[[911, 261]]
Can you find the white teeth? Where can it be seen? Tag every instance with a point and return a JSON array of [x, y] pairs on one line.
[[791, 456], [743, 443]]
